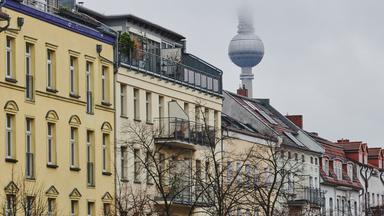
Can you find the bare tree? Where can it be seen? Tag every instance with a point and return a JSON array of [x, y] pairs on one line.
[[26, 197]]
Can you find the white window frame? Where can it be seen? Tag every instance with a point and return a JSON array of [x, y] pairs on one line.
[[28, 148], [72, 75], [72, 142], [103, 84], [9, 136], [148, 106], [50, 83], [104, 152], [123, 100], [88, 75], [50, 143], [9, 58]]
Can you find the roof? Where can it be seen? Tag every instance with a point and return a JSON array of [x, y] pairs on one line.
[[335, 151], [133, 19], [268, 115]]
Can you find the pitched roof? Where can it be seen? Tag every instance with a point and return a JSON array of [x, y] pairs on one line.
[[268, 115]]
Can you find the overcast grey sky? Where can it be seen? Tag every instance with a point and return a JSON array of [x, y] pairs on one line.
[[323, 59]]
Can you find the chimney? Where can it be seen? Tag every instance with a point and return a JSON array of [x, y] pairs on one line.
[[296, 119], [343, 141], [242, 91]]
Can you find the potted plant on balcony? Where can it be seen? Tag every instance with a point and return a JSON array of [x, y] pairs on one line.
[[126, 44]]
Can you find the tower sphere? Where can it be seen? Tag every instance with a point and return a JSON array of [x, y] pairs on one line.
[[246, 50]]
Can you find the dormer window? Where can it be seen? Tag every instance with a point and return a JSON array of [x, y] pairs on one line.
[[350, 171], [337, 167], [326, 166]]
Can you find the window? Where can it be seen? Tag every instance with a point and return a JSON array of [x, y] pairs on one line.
[[310, 181], [326, 166], [73, 76], [337, 206], [315, 183], [198, 176], [124, 163], [247, 175], [342, 206], [51, 142], [136, 104], [29, 159], [191, 77], [350, 171], [74, 147], [203, 81], [229, 172], [338, 169], [10, 59], [330, 206], [215, 85], [51, 207], [90, 159], [107, 209], [28, 72], [296, 157], [197, 79], [150, 165], [311, 160], [10, 136], [74, 208], [89, 86], [209, 81], [29, 205], [136, 155], [10, 209], [316, 161], [148, 107], [216, 119], [207, 171], [105, 152], [123, 100], [355, 208], [238, 173], [51, 71], [303, 158], [104, 85], [289, 155], [91, 209]]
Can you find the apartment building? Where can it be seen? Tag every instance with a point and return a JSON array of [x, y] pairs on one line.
[[173, 94], [340, 180], [306, 195], [56, 84]]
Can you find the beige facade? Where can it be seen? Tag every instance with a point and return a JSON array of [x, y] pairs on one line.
[[56, 127]]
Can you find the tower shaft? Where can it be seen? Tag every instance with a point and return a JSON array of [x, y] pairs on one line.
[[246, 78]]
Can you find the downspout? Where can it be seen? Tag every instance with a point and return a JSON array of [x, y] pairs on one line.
[[116, 69]]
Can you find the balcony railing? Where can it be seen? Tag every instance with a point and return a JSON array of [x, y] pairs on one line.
[[173, 69], [176, 129], [29, 87], [46, 6], [310, 195], [29, 165], [90, 174]]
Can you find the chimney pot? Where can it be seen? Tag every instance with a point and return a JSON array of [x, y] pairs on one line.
[[242, 91]]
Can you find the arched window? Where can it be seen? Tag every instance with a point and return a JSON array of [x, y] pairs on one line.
[[106, 129], [52, 118], [11, 110], [74, 123]]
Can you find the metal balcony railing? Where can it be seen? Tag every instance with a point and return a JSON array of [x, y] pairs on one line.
[[29, 165], [50, 6], [29, 87], [172, 69], [171, 128], [314, 196], [90, 174]]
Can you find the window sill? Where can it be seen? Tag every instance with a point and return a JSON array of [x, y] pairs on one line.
[[91, 186], [90, 113], [106, 173], [11, 160], [52, 166], [76, 169], [137, 120], [104, 103], [123, 116], [149, 123], [30, 101], [51, 90], [150, 183], [11, 80], [124, 180], [73, 95], [30, 179], [137, 182]]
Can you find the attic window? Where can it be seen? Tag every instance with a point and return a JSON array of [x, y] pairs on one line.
[[326, 166], [350, 171]]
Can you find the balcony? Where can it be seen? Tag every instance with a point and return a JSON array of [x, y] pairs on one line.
[[307, 195], [46, 6], [184, 69], [182, 133]]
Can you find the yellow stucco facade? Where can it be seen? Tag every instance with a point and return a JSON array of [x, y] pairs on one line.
[[49, 137]]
